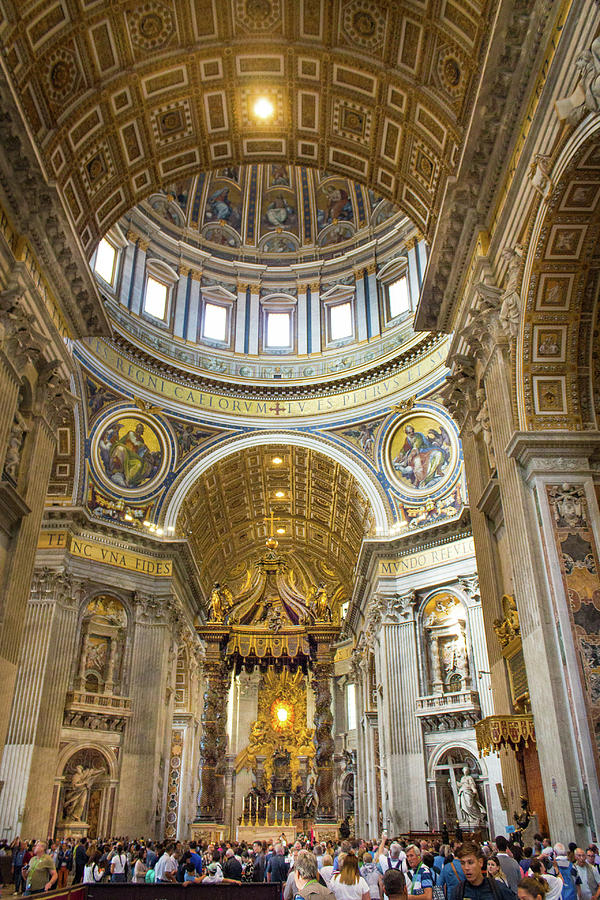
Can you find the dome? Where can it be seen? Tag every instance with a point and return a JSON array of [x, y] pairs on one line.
[[275, 212], [265, 273]]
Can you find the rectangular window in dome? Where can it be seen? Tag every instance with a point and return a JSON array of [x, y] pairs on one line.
[[279, 329], [340, 321], [105, 264], [351, 706], [398, 297], [215, 322], [155, 301]]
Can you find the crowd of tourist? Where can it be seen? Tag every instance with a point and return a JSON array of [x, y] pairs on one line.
[[346, 870]]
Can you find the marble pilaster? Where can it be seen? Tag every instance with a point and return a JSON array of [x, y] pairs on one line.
[[33, 739], [144, 737], [401, 735]]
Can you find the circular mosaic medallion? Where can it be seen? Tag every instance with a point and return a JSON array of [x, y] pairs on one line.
[[420, 454], [130, 452]]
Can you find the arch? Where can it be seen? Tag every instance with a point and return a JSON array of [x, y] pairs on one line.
[[149, 95], [467, 746], [72, 749], [560, 291], [372, 490]]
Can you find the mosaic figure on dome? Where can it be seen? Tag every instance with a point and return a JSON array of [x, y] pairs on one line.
[[130, 453], [334, 204], [231, 172], [179, 191], [424, 456], [279, 175], [279, 244], [336, 234], [224, 206], [279, 213], [216, 234]]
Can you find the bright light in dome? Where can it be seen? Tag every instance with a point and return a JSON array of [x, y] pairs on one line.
[[282, 714], [263, 108]]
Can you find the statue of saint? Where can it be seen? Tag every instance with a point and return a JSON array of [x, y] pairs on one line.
[[77, 793], [321, 601], [468, 799], [220, 601]]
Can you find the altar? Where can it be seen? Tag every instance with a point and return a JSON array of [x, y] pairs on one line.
[[266, 833], [269, 641]]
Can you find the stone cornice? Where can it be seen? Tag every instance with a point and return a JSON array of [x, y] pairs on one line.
[[373, 548], [514, 52], [37, 211], [186, 575], [555, 453]]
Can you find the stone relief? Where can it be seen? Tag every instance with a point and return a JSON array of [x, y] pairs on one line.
[[510, 307]]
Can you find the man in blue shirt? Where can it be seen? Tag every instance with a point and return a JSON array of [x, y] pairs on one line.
[[195, 857]]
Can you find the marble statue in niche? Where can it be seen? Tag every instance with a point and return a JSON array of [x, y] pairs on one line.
[[445, 631], [471, 808]]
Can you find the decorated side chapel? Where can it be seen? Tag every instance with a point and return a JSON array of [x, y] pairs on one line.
[[272, 626]]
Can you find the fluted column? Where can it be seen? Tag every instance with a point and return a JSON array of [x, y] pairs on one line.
[[29, 759], [322, 674], [213, 742], [34, 472], [400, 729], [144, 737]]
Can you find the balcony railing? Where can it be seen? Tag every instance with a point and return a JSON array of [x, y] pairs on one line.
[[102, 703], [460, 701]]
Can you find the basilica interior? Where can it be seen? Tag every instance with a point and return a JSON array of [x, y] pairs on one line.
[[299, 399]]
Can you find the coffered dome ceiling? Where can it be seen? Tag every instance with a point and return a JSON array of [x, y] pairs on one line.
[[124, 97]]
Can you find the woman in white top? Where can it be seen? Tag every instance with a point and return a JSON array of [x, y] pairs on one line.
[[326, 870], [92, 873], [140, 868], [118, 865], [348, 884]]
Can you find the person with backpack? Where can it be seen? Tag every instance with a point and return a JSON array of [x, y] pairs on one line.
[[564, 869], [451, 875], [419, 879], [476, 885]]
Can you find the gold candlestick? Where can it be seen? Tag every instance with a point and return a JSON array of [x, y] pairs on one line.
[[243, 822], [267, 815]]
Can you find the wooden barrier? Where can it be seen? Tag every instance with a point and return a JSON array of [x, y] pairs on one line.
[[129, 891]]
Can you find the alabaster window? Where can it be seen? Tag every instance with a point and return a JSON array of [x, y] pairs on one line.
[[278, 321], [279, 329], [341, 323], [105, 263], [215, 322], [398, 298], [160, 282], [155, 301]]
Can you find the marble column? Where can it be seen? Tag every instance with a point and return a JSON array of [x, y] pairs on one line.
[[322, 674], [401, 735], [213, 741], [29, 759], [144, 735]]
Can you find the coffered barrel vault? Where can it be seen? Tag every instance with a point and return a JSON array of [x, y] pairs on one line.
[[122, 98]]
